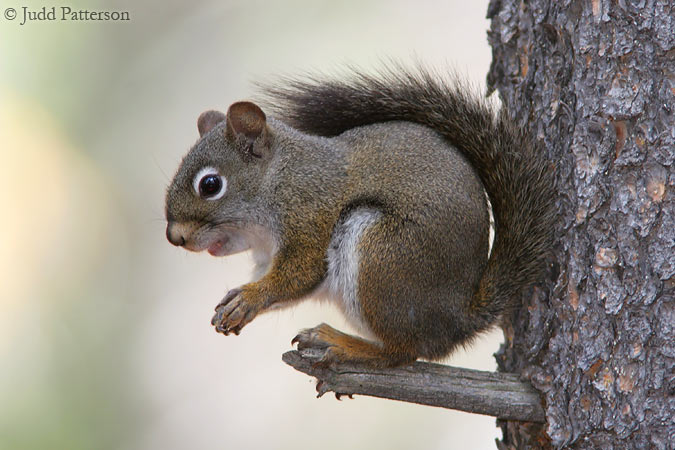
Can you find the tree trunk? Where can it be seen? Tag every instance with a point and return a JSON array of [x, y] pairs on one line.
[[595, 82]]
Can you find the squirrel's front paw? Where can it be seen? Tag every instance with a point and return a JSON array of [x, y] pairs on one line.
[[233, 312]]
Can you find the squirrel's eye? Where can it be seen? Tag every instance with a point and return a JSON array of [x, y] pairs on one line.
[[209, 184]]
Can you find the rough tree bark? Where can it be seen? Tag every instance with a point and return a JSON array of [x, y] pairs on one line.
[[595, 82]]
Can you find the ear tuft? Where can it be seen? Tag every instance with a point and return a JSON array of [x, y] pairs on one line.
[[207, 120], [246, 118]]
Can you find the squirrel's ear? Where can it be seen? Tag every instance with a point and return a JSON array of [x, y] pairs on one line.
[[207, 120], [247, 122], [246, 118]]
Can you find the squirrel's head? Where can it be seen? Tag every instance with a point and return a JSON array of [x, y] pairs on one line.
[[214, 190]]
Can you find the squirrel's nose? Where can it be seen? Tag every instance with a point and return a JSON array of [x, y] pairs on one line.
[[174, 235]]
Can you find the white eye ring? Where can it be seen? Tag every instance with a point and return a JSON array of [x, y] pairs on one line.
[[209, 172]]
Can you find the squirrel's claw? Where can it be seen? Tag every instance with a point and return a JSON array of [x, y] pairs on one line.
[[231, 294], [339, 395], [310, 338], [314, 338], [233, 313]]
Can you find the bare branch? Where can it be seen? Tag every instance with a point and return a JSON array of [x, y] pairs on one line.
[[502, 395]]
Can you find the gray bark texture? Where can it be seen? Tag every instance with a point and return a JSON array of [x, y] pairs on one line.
[[492, 393], [595, 82]]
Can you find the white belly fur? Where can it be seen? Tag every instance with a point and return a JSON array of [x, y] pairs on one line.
[[341, 283]]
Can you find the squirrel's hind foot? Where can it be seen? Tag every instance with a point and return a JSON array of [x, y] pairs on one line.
[[336, 348]]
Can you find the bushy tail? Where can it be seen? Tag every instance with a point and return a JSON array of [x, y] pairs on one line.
[[516, 176]]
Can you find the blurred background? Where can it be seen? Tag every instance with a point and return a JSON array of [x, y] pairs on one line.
[[105, 336]]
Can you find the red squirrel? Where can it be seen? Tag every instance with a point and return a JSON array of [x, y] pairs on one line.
[[369, 191]]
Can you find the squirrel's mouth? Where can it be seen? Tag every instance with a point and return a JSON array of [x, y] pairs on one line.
[[225, 241], [218, 248]]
